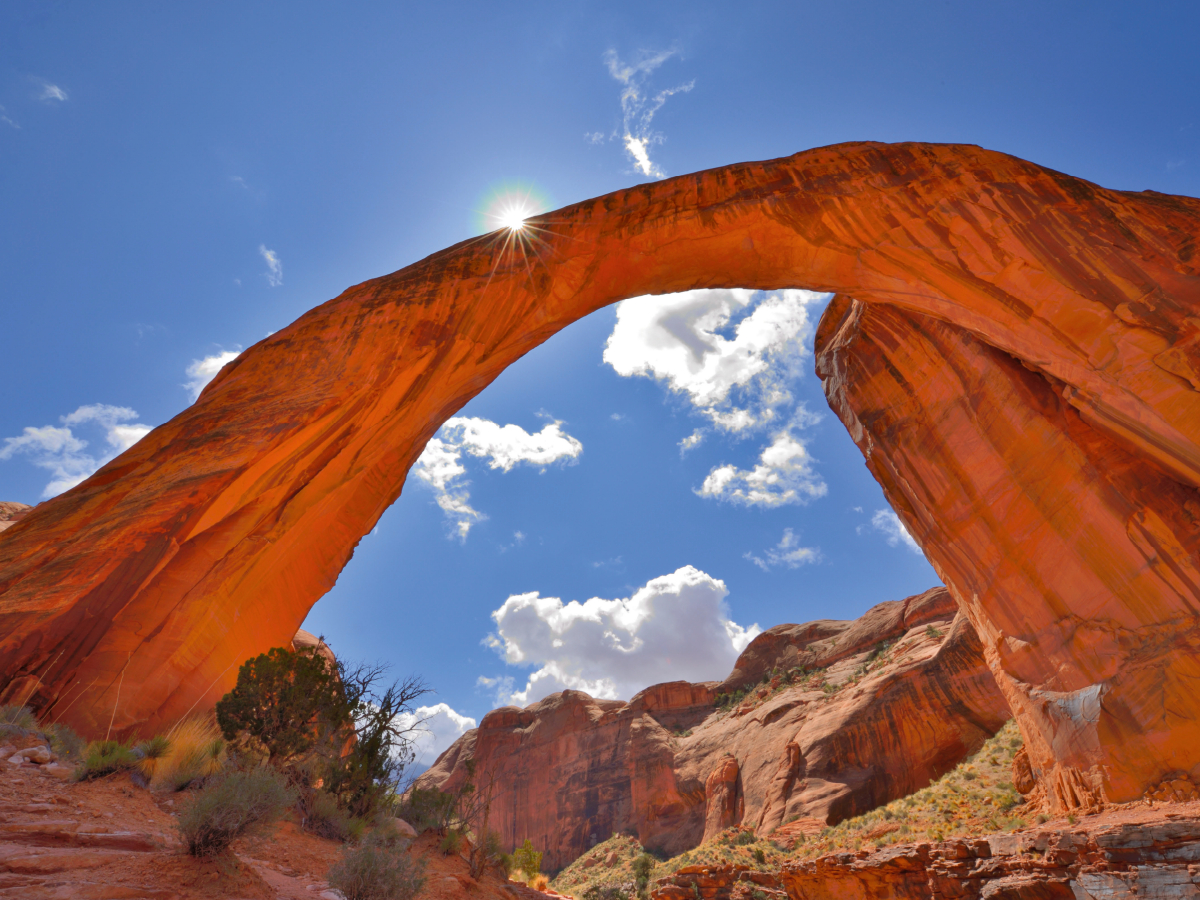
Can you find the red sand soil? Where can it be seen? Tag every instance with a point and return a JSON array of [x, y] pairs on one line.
[[110, 840]]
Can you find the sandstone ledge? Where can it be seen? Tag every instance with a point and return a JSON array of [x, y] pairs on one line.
[[1124, 853]]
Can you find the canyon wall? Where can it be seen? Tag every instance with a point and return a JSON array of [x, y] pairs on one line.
[[135, 595], [1014, 495], [887, 703]]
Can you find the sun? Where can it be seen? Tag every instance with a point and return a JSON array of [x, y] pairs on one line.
[[512, 215], [508, 205]]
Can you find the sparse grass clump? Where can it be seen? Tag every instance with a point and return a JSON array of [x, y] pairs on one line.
[[230, 805], [322, 815], [194, 751], [16, 721], [150, 754], [64, 741], [102, 758], [377, 869]]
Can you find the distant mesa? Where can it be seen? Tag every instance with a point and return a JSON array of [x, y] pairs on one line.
[[833, 719], [1015, 351]]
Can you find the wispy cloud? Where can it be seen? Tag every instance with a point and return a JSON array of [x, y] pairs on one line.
[[7, 121], [504, 446], [60, 451], [202, 371], [48, 91], [787, 552], [893, 529], [274, 266], [675, 626], [638, 106]]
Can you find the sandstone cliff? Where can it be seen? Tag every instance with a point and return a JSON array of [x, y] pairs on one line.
[[889, 702], [1020, 366]]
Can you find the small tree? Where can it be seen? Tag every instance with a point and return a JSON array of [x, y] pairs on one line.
[[383, 743], [324, 724], [527, 859], [287, 701]]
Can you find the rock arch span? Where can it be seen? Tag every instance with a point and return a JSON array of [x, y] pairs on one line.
[[1016, 351]]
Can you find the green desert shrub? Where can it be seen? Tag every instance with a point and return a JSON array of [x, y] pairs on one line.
[[428, 809], [323, 817], [527, 859], [102, 758], [230, 805], [451, 842], [377, 869], [744, 838]]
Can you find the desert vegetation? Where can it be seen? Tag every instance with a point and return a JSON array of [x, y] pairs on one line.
[[330, 729], [977, 797], [811, 679]]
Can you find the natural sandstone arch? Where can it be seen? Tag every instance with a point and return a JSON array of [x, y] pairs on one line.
[[140, 590]]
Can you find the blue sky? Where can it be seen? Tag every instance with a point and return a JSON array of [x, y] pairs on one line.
[[176, 184]]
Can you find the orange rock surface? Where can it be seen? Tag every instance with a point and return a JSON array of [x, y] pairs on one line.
[[865, 727], [1068, 309], [1075, 558]]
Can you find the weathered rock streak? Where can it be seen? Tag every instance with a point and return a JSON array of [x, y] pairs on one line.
[[1063, 319]]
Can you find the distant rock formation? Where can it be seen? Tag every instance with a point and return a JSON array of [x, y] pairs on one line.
[[893, 700], [1019, 363], [11, 513]]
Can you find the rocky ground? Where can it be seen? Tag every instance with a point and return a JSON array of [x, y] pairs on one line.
[[111, 840], [968, 835]]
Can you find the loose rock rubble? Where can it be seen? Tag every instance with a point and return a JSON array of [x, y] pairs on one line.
[[1150, 855], [729, 882]]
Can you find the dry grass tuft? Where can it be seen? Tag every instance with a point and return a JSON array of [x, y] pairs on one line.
[[195, 750]]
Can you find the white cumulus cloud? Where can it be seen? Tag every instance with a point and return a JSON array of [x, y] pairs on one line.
[[433, 729], [675, 627], [63, 453], [784, 475], [274, 266], [735, 376], [638, 106], [201, 371], [504, 446], [787, 552], [893, 529]]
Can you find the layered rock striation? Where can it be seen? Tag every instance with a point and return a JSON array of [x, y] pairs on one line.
[[889, 702], [1020, 364]]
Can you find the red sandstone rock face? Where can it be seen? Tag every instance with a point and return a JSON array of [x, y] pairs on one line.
[[1015, 495], [1041, 335], [571, 770]]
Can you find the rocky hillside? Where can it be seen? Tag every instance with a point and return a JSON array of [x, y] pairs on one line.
[[816, 723]]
